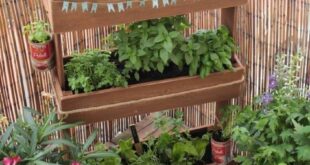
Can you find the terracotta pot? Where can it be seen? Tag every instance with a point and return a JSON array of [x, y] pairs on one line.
[[42, 55], [221, 152]]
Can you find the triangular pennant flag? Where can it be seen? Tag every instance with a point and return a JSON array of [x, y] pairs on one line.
[[129, 4], [94, 8], [120, 6], [65, 6], [166, 3], [85, 6], [142, 3], [110, 7], [74, 6], [155, 3], [174, 2]]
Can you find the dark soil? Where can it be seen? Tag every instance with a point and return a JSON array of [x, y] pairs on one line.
[[218, 136]]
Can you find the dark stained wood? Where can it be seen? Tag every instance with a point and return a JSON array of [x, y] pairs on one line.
[[79, 20], [228, 18], [59, 61]]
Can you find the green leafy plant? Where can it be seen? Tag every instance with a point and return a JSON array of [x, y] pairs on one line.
[[168, 148], [226, 123], [150, 45], [93, 70], [80, 155], [209, 51], [38, 32], [276, 129], [29, 142]]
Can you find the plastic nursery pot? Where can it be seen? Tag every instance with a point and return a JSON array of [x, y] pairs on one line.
[[221, 151], [42, 55]]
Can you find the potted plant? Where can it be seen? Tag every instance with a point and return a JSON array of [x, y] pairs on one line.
[[41, 46], [80, 156], [29, 142], [276, 128], [221, 142], [93, 70], [174, 147]]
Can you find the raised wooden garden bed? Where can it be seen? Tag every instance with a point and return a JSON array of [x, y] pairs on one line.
[[149, 97]]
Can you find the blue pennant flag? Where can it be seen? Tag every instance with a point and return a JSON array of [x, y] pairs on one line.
[[142, 3], [65, 6], [155, 3], [111, 7], [166, 3], [74, 6], [85, 6], [120, 6], [94, 8], [129, 4], [174, 2]]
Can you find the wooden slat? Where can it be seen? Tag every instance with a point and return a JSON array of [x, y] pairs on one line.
[[79, 20]]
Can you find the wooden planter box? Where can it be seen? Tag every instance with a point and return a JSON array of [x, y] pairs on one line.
[[149, 97]]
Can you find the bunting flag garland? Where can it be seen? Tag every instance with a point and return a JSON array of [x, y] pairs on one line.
[[142, 3], [111, 7], [120, 6], [155, 3], [174, 2], [85, 6], [129, 5], [166, 3], [74, 6], [92, 7], [65, 6]]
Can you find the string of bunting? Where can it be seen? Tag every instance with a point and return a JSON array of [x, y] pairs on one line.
[[92, 7]]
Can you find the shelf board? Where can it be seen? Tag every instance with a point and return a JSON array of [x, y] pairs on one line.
[[78, 20]]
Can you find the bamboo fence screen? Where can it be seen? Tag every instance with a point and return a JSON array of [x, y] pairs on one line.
[[265, 28]]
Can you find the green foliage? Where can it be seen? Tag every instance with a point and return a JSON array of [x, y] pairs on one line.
[[175, 148], [209, 51], [150, 45], [278, 132], [228, 117], [100, 156], [92, 70], [38, 32], [30, 138]]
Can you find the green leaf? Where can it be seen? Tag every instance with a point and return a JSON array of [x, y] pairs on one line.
[[303, 153], [45, 151], [137, 76], [89, 140], [59, 142], [168, 45], [160, 67], [5, 137], [159, 38], [164, 56], [174, 34], [188, 58], [39, 162], [101, 155], [28, 116]]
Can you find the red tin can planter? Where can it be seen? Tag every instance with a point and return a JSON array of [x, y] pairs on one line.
[[42, 55], [221, 152]]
